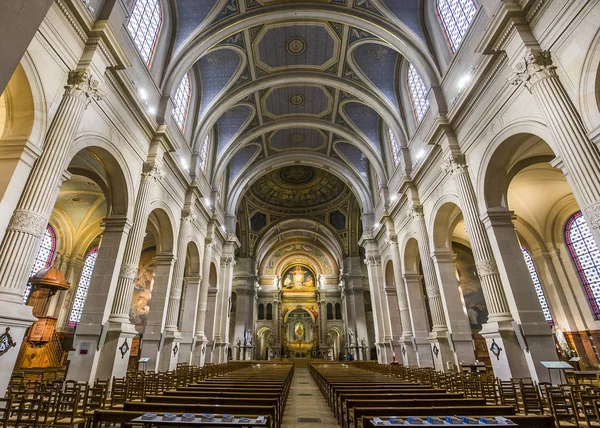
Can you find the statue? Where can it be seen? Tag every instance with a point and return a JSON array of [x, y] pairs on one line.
[[351, 338], [363, 343], [288, 281], [276, 282], [298, 277], [299, 330], [248, 338], [321, 282], [239, 342]]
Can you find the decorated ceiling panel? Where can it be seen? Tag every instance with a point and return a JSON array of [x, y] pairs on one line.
[[283, 46], [297, 138], [231, 123], [191, 14], [364, 119], [354, 157], [406, 11], [82, 202], [296, 100], [217, 69], [242, 158], [378, 64]]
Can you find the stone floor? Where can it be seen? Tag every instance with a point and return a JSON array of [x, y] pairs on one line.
[[305, 401]]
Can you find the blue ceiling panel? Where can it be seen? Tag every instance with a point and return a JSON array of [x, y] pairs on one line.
[[298, 100], [190, 14], [297, 138], [217, 68], [407, 11], [355, 157], [231, 122], [378, 63], [365, 119], [240, 159]]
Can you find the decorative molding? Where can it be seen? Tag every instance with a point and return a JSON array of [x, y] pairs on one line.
[[454, 164], [486, 267], [534, 67], [28, 222], [152, 171], [227, 261], [592, 215], [495, 349], [128, 271], [124, 348], [373, 260], [416, 212], [81, 83], [6, 342]]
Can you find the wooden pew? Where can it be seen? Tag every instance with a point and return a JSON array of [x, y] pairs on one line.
[[524, 421]]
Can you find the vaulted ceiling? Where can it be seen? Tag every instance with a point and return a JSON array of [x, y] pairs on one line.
[[317, 84]]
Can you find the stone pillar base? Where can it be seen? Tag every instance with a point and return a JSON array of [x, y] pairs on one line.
[[162, 358], [19, 320], [219, 352], [199, 351], [408, 354], [248, 353], [423, 351], [442, 353], [384, 353], [464, 348], [114, 355]]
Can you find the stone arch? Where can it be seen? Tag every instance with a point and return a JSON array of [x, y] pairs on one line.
[[160, 223], [445, 219], [390, 281], [301, 308], [411, 257], [244, 139], [245, 179], [193, 265], [213, 276], [589, 85]]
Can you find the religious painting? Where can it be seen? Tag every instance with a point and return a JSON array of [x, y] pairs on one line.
[[142, 291], [299, 278], [470, 286]]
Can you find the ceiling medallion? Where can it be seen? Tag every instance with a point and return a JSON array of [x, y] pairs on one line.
[[296, 46], [297, 138], [297, 100]]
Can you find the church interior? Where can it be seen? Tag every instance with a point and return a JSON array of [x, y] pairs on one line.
[[279, 213]]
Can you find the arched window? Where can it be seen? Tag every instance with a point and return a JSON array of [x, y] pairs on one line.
[[261, 312], [538, 285], [395, 147], [44, 257], [456, 17], [586, 257], [144, 26], [182, 102], [269, 311], [329, 311], [82, 288], [338, 311], [418, 93], [204, 154]]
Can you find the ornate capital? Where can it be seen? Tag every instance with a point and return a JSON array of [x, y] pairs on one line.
[[535, 66], [81, 83], [227, 261], [28, 222], [152, 171], [415, 212], [188, 216], [454, 164], [592, 215], [486, 268], [373, 260], [128, 271]]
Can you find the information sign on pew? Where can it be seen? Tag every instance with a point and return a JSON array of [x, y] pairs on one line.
[[440, 421], [150, 419]]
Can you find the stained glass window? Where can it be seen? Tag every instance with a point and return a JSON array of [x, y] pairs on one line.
[[204, 154], [418, 93], [538, 285], [44, 257], [395, 147], [182, 102], [144, 25], [586, 257], [456, 17], [82, 288]]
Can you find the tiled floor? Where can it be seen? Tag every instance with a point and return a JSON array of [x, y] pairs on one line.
[[305, 401]]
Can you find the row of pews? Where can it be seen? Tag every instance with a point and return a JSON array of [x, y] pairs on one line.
[[357, 396], [252, 391]]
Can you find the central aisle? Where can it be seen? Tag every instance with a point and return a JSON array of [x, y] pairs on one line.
[[305, 401]]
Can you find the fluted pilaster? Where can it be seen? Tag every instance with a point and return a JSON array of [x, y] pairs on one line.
[[485, 262], [30, 217], [431, 282], [187, 220], [151, 174], [580, 155], [204, 285], [400, 289]]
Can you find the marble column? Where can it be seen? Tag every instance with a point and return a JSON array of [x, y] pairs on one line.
[[506, 354], [223, 306], [409, 356], [188, 317], [381, 315], [89, 332], [460, 328], [200, 338], [28, 223], [391, 299], [171, 335], [418, 314], [277, 323], [440, 345], [323, 345], [120, 333], [154, 345], [521, 293], [582, 160]]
